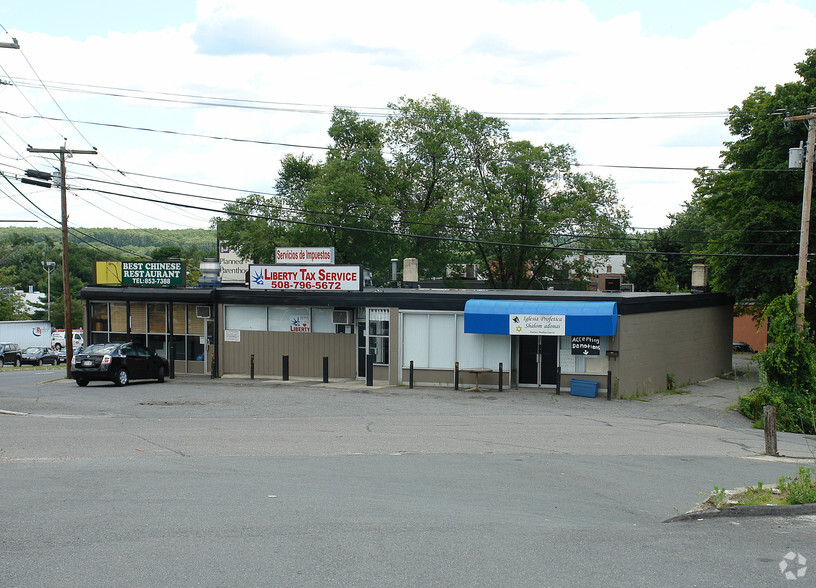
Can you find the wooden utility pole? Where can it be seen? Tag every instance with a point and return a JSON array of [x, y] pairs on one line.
[[66, 278], [801, 273]]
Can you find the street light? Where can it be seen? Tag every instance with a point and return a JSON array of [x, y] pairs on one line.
[[48, 266]]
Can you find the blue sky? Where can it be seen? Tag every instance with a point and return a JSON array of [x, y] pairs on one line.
[[497, 57], [80, 19]]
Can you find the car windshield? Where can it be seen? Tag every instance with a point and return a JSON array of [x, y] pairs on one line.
[[100, 349], [32, 350]]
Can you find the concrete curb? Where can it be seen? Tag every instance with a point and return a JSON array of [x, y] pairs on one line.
[[781, 510]]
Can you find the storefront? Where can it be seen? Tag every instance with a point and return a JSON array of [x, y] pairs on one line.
[[635, 340]]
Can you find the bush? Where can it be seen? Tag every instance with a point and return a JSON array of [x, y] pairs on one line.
[[789, 369]]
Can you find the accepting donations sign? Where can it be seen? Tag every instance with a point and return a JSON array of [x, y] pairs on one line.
[[305, 277]]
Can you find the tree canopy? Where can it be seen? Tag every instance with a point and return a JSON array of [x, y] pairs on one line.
[[436, 182], [750, 209]]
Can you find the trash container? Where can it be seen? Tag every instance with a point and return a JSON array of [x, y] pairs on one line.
[[588, 388]]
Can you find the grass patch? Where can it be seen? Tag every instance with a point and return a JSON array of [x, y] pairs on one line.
[[800, 489]]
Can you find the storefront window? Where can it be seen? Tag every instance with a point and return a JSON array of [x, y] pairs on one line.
[[157, 318], [179, 347], [99, 316], [195, 349], [378, 331], [138, 317], [118, 312]]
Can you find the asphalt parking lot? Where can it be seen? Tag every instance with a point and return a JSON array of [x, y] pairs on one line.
[[261, 482]]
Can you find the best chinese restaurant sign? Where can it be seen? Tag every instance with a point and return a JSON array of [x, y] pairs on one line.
[[139, 273], [306, 277]]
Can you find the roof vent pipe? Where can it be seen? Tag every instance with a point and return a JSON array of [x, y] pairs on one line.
[[410, 272], [209, 268], [699, 278]]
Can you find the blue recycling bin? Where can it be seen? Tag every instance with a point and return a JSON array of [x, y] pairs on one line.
[[588, 388]]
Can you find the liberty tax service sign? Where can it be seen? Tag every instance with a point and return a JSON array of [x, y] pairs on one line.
[[537, 324], [305, 278]]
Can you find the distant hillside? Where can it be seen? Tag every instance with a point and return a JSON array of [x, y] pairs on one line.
[[138, 240]]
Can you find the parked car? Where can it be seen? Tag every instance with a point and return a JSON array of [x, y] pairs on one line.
[[118, 362], [39, 356], [10, 354], [739, 346]]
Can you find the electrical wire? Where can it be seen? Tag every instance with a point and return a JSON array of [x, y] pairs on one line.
[[458, 239]]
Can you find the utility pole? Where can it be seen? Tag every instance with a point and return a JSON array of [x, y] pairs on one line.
[[66, 279], [801, 273]]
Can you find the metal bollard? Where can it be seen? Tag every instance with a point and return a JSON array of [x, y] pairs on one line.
[[325, 370], [172, 361], [411, 375], [501, 376], [609, 385], [252, 367], [369, 370], [558, 380], [285, 368], [456, 376]]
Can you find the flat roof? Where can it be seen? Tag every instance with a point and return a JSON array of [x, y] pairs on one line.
[[403, 298]]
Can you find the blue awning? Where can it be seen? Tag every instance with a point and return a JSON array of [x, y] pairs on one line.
[[581, 317]]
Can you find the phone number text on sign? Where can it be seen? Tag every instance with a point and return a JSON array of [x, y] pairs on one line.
[[281, 277]]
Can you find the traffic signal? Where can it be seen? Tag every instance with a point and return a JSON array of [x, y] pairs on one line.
[[37, 178]]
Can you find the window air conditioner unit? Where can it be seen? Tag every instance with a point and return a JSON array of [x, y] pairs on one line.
[[204, 312], [341, 317]]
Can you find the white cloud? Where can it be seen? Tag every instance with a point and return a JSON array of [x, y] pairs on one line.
[[487, 55]]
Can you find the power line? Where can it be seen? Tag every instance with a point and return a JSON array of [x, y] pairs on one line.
[[323, 109], [457, 239]]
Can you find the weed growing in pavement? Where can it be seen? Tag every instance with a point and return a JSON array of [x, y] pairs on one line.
[[800, 489]]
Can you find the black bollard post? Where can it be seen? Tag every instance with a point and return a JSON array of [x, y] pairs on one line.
[[252, 367], [456, 376], [369, 370], [411, 375], [325, 370], [172, 361], [285, 368], [558, 380], [501, 376], [609, 385]]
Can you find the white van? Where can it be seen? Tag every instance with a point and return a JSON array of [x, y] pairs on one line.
[[58, 340]]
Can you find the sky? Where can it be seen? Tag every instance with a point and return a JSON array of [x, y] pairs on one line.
[[187, 99]]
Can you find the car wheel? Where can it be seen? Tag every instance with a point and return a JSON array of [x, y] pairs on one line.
[[161, 374], [2, 361], [81, 382], [18, 362], [58, 347], [120, 378], [39, 362]]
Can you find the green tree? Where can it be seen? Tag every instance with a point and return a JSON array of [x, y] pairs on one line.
[[789, 369], [453, 189], [528, 210], [437, 150], [753, 206], [12, 304]]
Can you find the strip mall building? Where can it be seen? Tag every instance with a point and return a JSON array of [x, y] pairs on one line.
[[637, 342]]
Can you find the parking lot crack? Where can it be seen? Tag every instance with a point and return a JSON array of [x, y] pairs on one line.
[[182, 454]]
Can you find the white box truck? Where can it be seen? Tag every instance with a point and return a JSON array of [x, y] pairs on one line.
[[26, 333], [58, 340]]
